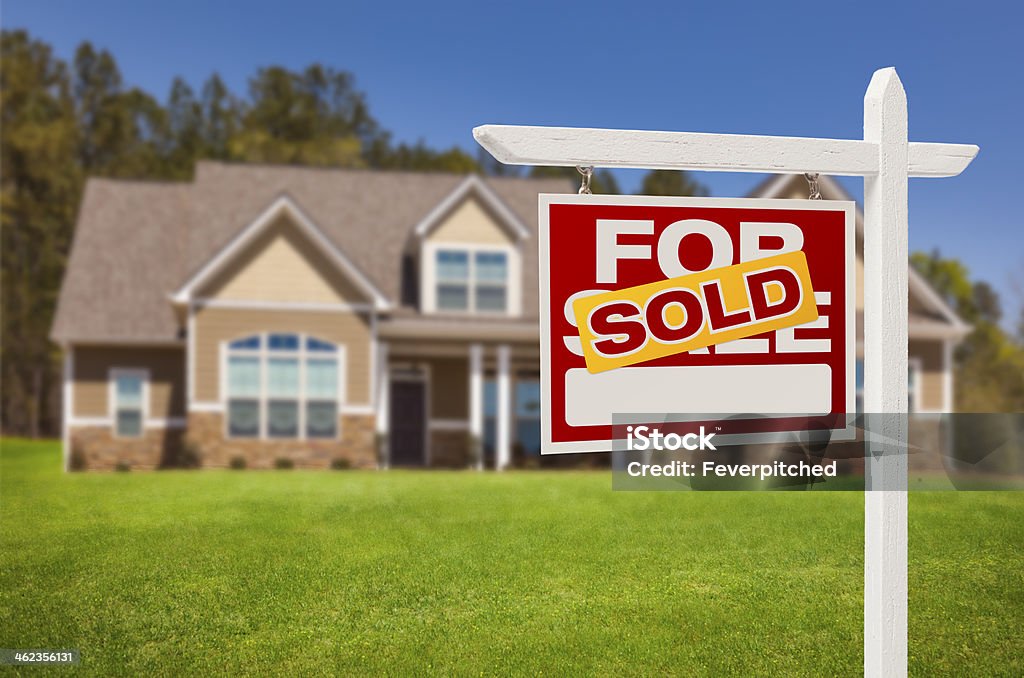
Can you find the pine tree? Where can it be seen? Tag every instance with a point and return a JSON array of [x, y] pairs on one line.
[[39, 192]]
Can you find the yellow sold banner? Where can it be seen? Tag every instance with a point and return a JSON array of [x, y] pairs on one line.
[[637, 324]]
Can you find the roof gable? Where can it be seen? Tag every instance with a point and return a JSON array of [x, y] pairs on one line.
[[271, 218], [472, 187]]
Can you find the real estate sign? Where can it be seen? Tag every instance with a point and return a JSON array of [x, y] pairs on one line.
[[694, 310]]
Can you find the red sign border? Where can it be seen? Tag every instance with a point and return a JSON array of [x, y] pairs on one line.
[[546, 200]]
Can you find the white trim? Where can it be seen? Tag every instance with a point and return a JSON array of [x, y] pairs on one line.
[[503, 444], [915, 368], [382, 396], [206, 406], [92, 422], [209, 302], [190, 356], [429, 282], [476, 399], [112, 376], [917, 329], [282, 205], [472, 184], [68, 406], [463, 328], [773, 188], [356, 409], [448, 424], [948, 402], [168, 422], [147, 424], [148, 342]]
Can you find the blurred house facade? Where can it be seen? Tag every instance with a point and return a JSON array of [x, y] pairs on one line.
[[332, 317]]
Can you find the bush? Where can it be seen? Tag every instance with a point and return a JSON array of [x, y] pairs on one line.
[[339, 464], [123, 466], [77, 461], [237, 463], [283, 463], [190, 456]]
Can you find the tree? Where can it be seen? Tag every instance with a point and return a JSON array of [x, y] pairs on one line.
[[185, 122], [671, 182], [63, 123], [989, 364], [39, 192], [123, 133], [220, 119], [316, 117]]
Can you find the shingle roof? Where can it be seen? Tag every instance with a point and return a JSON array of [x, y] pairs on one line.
[[137, 242]]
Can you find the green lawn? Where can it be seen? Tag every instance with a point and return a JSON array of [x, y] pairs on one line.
[[290, 572]]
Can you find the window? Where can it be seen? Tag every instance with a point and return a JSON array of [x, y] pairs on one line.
[[527, 400], [472, 280], [283, 385], [525, 417], [452, 280], [129, 394], [914, 368]]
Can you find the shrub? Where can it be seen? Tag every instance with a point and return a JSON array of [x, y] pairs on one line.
[[190, 456], [339, 464], [123, 466], [77, 461], [237, 463], [283, 463]]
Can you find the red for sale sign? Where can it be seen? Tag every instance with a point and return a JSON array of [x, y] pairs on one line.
[[694, 310]]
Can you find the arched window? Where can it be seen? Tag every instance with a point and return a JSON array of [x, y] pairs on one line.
[[283, 385]]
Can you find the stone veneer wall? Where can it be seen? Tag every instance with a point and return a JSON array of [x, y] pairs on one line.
[[94, 448], [356, 445]]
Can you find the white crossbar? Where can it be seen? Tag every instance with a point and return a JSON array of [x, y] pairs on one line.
[[569, 146]]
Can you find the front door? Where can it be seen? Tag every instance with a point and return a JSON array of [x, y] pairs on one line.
[[408, 423]]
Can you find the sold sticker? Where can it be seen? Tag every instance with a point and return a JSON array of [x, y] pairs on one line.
[[637, 324]]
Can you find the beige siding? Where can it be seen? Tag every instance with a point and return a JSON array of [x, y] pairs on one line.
[[216, 325], [91, 384], [282, 265], [932, 383], [470, 222], [449, 388]]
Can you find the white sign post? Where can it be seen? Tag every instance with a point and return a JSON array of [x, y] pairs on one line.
[[885, 159]]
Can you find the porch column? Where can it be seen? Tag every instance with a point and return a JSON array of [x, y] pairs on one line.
[[383, 405], [476, 401], [503, 454]]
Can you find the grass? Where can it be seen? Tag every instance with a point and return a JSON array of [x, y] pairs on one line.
[[273, 572]]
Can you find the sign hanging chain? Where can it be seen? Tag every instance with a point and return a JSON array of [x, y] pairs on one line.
[[586, 173], [812, 186]]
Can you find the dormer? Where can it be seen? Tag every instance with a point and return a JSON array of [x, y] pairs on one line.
[[470, 255]]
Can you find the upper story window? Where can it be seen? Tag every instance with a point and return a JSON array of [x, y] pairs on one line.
[[283, 385], [128, 395], [471, 280]]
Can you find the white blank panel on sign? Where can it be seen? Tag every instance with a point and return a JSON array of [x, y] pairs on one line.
[[593, 399]]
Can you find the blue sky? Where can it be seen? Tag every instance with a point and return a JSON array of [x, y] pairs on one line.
[[433, 71]]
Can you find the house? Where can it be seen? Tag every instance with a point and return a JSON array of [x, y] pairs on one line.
[[330, 317]]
